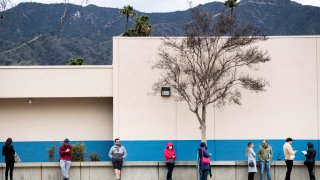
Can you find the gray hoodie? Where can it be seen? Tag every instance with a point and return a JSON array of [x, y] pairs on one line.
[[117, 153]]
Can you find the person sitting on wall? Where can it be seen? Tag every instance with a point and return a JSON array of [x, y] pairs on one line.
[[117, 154], [65, 152]]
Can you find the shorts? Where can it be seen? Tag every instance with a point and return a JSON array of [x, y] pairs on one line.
[[117, 164]]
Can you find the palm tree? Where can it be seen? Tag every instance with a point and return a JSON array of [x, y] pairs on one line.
[[143, 26], [128, 11], [231, 4]]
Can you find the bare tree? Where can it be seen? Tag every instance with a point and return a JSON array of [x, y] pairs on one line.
[[206, 67]]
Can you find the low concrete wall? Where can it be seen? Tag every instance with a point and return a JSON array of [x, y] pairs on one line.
[[221, 170]]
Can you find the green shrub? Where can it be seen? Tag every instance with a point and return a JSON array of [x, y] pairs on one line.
[[76, 61], [94, 156], [78, 152], [51, 152]]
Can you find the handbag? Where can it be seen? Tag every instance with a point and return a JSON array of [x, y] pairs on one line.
[[171, 160], [17, 158], [251, 163], [205, 160]]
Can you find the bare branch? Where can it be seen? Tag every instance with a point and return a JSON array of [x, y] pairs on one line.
[[206, 67]]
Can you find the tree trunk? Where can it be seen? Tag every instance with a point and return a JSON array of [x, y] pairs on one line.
[[127, 23], [203, 125]]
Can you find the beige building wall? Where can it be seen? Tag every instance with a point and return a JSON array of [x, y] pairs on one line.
[[318, 83], [138, 115], [289, 107], [55, 81], [53, 119]]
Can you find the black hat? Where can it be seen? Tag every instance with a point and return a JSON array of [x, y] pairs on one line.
[[66, 140]]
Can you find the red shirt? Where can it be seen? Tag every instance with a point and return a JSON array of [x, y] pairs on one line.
[[63, 154]]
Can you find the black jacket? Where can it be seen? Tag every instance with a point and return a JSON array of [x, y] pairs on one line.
[[8, 152], [311, 154]]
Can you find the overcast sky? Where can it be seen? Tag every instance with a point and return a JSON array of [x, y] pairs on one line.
[[151, 5]]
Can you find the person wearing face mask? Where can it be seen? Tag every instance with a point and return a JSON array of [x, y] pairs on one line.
[[170, 158]]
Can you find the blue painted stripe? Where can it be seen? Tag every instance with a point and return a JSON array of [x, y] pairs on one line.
[[38, 151], [222, 150], [235, 149]]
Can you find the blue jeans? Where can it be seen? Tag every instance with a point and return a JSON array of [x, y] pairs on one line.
[[65, 167], [265, 165]]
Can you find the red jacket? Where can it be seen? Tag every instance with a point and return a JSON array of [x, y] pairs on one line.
[[169, 153], [63, 154]]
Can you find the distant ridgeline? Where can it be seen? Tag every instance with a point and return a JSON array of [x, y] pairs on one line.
[[28, 32]]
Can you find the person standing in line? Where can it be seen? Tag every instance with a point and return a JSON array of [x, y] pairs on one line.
[[65, 152], [289, 155], [265, 157], [117, 154], [8, 152], [170, 158], [204, 167], [252, 164], [310, 160]]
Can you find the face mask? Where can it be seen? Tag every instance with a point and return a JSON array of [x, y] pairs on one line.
[[170, 147]]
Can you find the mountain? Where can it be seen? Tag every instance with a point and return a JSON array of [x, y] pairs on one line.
[[29, 33], [281, 17]]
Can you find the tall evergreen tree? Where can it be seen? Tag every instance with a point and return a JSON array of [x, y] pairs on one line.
[[129, 12], [143, 26], [231, 4]]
